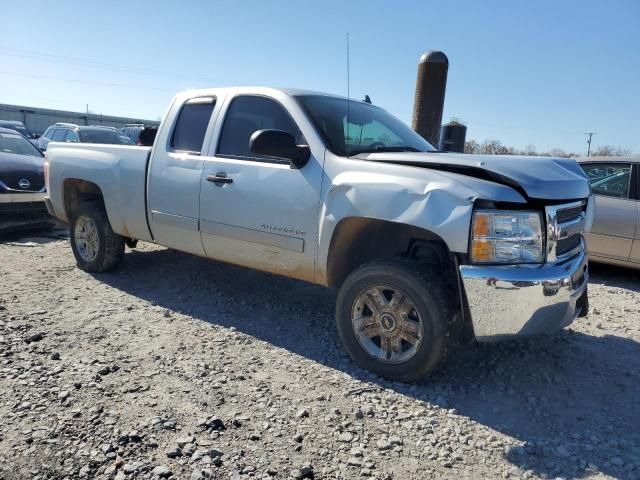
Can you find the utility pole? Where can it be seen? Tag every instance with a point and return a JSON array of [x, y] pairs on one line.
[[590, 134]]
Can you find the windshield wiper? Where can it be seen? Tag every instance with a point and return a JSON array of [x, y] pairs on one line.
[[402, 148]]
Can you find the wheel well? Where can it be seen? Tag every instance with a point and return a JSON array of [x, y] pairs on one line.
[[78, 191], [359, 240]]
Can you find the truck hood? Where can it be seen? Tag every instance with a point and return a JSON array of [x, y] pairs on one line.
[[544, 178]]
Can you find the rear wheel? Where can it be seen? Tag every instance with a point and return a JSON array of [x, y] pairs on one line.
[[392, 317], [95, 245]]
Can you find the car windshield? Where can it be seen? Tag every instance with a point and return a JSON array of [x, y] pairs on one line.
[[100, 135], [17, 127], [16, 143], [368, 128], [22, 130]]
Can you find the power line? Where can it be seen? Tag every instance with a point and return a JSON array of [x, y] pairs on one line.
[[590, 134]]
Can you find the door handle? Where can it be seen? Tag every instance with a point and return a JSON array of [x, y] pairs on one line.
[[219, 179]]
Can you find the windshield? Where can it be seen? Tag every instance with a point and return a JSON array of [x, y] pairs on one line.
[[101, 135], [369, 128], [18, 128], [16, 143]]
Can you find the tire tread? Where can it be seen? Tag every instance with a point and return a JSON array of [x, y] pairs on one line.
[[112, 254], [441, 299]]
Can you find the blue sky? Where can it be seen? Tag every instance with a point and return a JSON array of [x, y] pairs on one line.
[[524, 72]]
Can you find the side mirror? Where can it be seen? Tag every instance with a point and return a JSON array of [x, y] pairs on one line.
[[36, 136], [279, 144]]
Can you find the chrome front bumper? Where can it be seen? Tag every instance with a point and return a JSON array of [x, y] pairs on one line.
[[508, 301]]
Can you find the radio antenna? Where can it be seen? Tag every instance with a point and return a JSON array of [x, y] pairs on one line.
[[348, 99]]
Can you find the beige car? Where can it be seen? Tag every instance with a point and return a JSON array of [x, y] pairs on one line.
[[615, 235]]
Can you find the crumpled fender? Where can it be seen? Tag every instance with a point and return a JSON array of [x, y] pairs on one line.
[[440, 202]]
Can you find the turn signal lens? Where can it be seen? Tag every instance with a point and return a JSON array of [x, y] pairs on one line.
[[481, 225], [481, 250]]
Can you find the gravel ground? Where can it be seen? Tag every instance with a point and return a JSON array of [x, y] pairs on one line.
[[178, 367]]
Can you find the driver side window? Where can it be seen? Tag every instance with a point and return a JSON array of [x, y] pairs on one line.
[[247, 114], [609, 179]]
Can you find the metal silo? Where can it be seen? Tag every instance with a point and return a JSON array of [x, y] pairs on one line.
[[452, 137], [429, 100]]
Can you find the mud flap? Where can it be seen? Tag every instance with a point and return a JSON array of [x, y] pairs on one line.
[[583, 304]]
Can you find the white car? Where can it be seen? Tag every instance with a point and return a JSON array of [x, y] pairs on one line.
[[419, 244]]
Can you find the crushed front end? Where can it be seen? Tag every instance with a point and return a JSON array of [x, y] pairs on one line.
[[543, 288]]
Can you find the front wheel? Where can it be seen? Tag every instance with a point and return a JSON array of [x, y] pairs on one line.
[[392, 317], [95, 245]]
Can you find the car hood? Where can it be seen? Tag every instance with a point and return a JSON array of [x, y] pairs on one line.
[[545, 178], [15, 168], [11, 163]]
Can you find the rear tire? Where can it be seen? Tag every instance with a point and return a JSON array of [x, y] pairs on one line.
[[95, 245], [402, 340]]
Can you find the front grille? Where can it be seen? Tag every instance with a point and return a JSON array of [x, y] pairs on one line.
[[571, 213], [565, 227], [565, 245], [12, 181]]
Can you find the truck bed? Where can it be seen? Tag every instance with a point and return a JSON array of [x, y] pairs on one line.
[[119, 171]]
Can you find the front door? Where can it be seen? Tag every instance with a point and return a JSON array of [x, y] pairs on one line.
[[258, 211], [615, 214]]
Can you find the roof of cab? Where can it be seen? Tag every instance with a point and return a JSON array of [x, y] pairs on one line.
[[256, 90]]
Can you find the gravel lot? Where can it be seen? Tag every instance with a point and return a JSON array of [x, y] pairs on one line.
[[178, 367]]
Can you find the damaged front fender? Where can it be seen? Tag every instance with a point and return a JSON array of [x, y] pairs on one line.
[[438, 202]]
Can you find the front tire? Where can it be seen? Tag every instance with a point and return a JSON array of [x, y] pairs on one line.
[[392, 317], [95, 245]]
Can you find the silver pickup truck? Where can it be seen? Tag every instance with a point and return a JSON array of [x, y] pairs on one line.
[[424, 248]]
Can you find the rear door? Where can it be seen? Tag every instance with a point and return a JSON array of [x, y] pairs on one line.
[[614, 188], [175, 172], [265, 214]]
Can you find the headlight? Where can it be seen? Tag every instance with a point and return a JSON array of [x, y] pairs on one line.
[[506, 236]]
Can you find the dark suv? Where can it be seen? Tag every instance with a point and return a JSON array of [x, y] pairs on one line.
[[69, 132], [141, 134]]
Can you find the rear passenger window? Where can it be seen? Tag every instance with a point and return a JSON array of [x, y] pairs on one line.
[[191, 126], [59, 135], [247, 114]]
